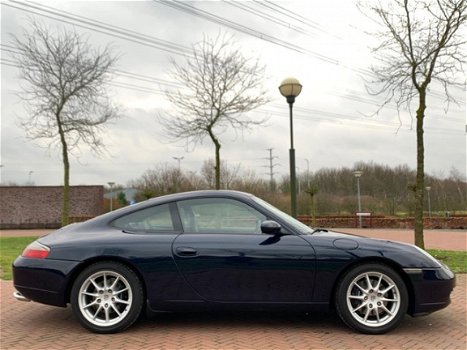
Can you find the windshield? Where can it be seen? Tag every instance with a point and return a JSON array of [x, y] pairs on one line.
[[290, 221]]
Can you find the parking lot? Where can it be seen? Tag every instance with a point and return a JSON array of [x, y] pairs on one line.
[[35, 326]]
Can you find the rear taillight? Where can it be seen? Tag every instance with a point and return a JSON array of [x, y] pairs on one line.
[[36, 251]]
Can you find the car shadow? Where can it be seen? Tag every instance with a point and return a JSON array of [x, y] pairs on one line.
[[244, 319]]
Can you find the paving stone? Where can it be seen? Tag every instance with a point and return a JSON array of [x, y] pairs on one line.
[[35, 326]]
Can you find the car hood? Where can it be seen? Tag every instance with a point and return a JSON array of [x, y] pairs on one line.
[[358, 239], [404, 254]]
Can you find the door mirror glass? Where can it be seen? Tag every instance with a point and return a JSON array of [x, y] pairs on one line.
[[270, 227]]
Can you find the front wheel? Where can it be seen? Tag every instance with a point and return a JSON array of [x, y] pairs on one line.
[[107, 297], [371, 298]]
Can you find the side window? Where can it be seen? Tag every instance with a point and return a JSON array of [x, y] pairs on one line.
[[219, 215], [153, 219]]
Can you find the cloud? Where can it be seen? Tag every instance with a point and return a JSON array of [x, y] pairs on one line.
[[331, 123]]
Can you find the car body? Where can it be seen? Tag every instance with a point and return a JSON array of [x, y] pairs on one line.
[[207, 250]]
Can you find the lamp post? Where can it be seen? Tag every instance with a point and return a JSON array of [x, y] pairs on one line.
[[177, 184], [291, 88], [428, 188], [111, 194], [357, 174]]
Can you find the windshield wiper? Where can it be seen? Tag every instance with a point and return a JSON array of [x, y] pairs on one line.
[[319, 230]]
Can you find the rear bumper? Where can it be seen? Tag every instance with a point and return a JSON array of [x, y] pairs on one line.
[[42, 280], [431, 289]]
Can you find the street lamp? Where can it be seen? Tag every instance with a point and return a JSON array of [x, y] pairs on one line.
[[357, 174], [428, 188], [111, 194], [179, 159], [291, 88]]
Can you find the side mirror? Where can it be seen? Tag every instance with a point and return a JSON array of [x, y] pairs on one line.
[[270, 227]]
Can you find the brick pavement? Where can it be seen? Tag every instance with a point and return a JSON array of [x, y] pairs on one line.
[[36, 326]]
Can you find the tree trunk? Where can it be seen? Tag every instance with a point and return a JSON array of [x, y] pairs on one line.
[[66, 188], [420, 182], [217, 169], [218, 164], [66, 177]]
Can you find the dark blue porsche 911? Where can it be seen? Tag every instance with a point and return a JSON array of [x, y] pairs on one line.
[[209, 250]]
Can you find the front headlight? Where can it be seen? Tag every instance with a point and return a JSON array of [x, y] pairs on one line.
[[428, 255]]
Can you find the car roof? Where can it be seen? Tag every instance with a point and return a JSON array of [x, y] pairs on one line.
[[104, 219], [200, 193]]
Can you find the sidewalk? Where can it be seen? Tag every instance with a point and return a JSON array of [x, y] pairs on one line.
[[434, 239]]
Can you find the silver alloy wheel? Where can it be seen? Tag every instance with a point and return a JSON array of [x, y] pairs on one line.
[[373, 299], [105, 298]]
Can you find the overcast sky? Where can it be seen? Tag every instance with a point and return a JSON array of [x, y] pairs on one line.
[[327, 51]]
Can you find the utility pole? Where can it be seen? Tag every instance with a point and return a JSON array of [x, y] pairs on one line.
[[271, 168], [178, 159]]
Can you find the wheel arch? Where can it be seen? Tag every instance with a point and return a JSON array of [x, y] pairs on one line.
[[81, 267], [376, 260]]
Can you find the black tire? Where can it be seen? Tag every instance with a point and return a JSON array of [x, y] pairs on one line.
[[376, 308], [107, 297]]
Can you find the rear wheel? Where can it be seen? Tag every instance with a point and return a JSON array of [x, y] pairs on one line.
[[107, 297], [372, 298]]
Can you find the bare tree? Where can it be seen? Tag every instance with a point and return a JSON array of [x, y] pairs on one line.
[[421, 43], [64, 92], [229, 173], [159, 181], [220, 85]]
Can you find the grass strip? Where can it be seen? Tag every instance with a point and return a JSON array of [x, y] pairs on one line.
[[10, 248]]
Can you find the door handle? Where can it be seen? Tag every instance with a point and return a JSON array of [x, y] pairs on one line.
[[185, 251]]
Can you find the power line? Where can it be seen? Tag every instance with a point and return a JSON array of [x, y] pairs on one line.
[[187, 8], [100, 27], [318, 115], [326, 116], [292, 15], [147, 40], [121, 73], [343, 120], [299, 116], [265, 16], [165, 82]]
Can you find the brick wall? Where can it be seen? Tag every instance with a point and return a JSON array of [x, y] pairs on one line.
[[387, 222], [41, 206]]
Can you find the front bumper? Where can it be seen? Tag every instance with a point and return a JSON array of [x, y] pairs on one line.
[[42, 280], [431, 289]]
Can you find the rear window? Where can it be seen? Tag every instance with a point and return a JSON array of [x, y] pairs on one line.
[[153, 219]]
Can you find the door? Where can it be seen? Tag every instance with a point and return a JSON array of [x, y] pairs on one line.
[[224, 257]]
